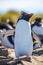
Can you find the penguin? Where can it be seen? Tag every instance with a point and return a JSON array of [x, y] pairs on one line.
[[5, 26], [23, 39], [11, 23], [6, 40]]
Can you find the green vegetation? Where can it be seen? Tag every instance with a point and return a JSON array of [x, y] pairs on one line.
[[35, 16], [12, 15]]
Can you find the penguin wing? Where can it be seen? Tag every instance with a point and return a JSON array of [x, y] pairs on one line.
[[9, 33], [35, 37]]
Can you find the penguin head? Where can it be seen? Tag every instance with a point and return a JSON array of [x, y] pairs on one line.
[[25, 16], [38, 22]]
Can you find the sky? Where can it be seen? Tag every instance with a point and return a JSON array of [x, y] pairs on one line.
[[30, 6]]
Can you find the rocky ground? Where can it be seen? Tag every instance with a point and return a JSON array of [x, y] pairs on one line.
[[7, 57]]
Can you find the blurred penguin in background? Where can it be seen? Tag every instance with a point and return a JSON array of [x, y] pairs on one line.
[[11, 23], [23, 39], [6, 40], [37, 27]]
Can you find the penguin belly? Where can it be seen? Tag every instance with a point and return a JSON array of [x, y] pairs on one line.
[[23, 40]]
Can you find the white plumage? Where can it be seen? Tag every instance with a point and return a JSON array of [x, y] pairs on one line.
[[23, 40]]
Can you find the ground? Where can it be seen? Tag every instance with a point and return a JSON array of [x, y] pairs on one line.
[[7, 57]]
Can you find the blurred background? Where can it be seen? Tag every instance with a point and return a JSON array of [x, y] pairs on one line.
[[11, 9]]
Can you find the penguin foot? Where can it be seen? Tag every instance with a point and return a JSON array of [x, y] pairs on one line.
[[28, 59]]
